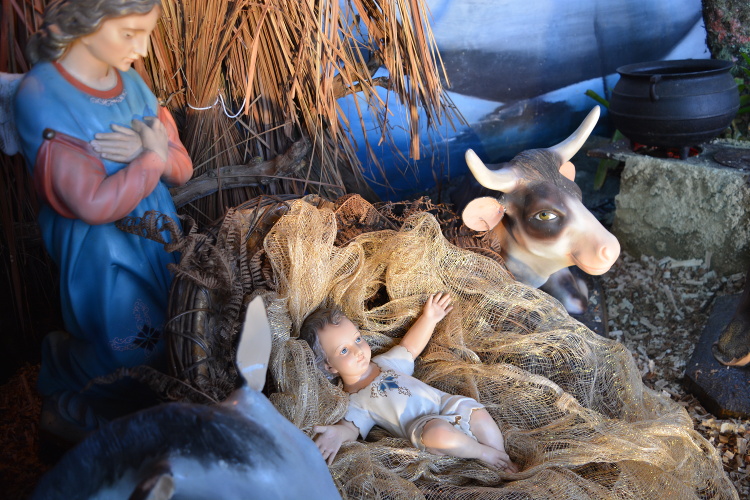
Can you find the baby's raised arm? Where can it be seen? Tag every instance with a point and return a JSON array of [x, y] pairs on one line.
[[434, 310]]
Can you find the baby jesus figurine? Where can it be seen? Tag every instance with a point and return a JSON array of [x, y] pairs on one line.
[[382, 391]]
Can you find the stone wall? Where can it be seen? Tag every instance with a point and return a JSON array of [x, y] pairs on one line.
[[685, 210]]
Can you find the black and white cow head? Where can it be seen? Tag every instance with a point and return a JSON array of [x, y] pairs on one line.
[[538, 219]]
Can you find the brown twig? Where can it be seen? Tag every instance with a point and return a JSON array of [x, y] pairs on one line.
[[233, 176]]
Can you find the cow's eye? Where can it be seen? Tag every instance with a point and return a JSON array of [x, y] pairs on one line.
[[545, 215]]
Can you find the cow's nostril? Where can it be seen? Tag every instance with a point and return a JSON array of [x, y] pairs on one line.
[[605, 253], [609, 252]]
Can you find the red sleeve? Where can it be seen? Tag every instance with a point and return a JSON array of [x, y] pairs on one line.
[[72, 180], [179, 167]]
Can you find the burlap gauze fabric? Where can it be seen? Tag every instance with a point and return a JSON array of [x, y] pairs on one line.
[[575, 414]]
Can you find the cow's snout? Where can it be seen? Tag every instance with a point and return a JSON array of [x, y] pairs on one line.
[[595, 255], [609, 251], [606, 250]]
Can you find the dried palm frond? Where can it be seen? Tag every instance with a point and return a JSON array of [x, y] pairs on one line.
[[272, 71], [163, 68]]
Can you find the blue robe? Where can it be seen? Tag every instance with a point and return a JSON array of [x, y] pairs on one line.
[[114, 286]]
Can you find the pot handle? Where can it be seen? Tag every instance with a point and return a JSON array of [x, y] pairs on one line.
[[652, 88]]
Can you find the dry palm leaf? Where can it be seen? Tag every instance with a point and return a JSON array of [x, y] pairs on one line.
[[272, 71]]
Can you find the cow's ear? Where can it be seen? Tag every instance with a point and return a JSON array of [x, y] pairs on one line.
[[568, 170], [482, 214]]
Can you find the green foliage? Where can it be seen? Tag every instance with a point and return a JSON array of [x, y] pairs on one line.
[[605, 165], [740, 126], [597, 98], [744, 86]]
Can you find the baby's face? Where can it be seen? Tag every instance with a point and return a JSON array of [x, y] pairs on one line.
[[347, 353]]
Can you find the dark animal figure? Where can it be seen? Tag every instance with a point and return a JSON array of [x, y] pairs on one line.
[[733, 346], [242, 448], [532, 210]]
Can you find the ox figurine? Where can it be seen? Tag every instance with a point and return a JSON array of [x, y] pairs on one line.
[[242, 448], [538, 220]]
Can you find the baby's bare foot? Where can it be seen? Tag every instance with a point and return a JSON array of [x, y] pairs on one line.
[[497, 458]]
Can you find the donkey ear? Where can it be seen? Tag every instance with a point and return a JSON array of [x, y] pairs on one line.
[[254, 349], [568, 170], [482, 214]]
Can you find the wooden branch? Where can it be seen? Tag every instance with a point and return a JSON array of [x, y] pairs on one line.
[[284, 165]]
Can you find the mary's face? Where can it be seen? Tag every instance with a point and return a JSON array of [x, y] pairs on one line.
[[120, 41]]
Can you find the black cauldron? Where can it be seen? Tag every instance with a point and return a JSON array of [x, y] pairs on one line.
[[679, 103]]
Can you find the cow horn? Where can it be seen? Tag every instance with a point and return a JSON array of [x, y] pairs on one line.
[[570, 146], [504, 179]]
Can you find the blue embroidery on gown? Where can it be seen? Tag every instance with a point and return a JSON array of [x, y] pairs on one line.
[[388, 380]]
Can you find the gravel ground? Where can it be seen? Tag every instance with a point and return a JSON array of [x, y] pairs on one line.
[[658, 309]]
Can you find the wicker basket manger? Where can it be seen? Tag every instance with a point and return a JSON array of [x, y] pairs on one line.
[[574, 412]]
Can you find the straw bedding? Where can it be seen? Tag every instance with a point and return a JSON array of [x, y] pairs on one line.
[[575, 414]]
